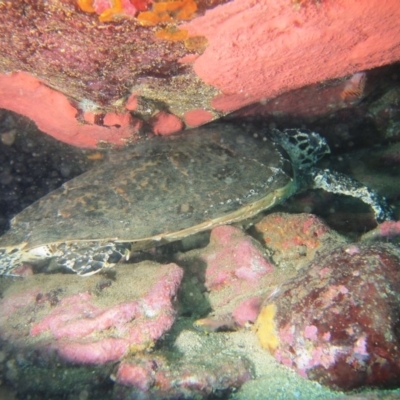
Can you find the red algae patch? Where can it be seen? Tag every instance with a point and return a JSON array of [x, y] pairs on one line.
[[54, 114], [164, 123], [260, 49], [337, 322], [198, 117], [294, 239]]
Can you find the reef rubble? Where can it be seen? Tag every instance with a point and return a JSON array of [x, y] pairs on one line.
[[150, 330]]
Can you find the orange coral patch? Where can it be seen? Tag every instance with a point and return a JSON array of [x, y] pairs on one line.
[[188, 10], [167, 11], [86, 6], [109, 14], [149, 18]]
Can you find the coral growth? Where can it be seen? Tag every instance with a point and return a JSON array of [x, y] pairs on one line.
[[293, 239], [168, 11], [85, 324], [24, 94], [387, 229], [213, 56], [111, 10], [337, 322]]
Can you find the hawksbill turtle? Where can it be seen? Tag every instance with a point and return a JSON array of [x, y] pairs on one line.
[[166, 188]]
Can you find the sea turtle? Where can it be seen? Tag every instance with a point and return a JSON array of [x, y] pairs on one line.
[[166, 188]]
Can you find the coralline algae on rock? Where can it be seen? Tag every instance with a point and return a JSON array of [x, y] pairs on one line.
[[236, 274], [294, 239], [338, 322], [89, 321], [154, 377]]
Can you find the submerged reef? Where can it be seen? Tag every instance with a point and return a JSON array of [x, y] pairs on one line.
[[163, 331], [113, 66]]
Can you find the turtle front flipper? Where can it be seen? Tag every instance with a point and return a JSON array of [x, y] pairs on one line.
[[81, 258], [335, 182]]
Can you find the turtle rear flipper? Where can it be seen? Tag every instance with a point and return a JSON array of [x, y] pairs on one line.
[[88, 258], [335, 182], [9, 260]]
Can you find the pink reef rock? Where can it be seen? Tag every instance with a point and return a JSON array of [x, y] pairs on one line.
[[259, 50], [155, 377], [54, 113], [338, 322], [387, 229], [240, 52], [164, 123], [89, 321], [198, 117], [294, 239], [237, 276], [233, 259]]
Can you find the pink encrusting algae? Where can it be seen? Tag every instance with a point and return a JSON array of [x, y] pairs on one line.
[[82, 331], [334, 327], [387, 229]]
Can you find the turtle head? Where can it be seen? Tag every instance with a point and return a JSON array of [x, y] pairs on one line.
[[304, 147]]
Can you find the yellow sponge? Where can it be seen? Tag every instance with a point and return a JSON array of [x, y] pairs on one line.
[[265, 328]]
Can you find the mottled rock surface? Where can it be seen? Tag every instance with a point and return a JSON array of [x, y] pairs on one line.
[[91, 321], [155, 377], [109, 68], [294, 239], [236, 274], [338, 322]]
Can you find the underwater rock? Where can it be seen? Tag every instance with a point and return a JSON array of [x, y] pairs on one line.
[[29, 96], [233, 258], [294, 239], [98, 54], [387, 229], [236, 274], [385, 112], [298, 43], [338, 322], [156, 377], [89, 321], [313, 100]]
